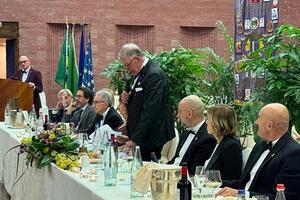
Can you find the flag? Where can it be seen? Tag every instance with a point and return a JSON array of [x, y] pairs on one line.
[[72, 80], [88, 75], [67, 74], [61, 76], [81, 57]]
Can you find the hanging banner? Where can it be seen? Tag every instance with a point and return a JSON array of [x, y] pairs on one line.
[[253, 19]]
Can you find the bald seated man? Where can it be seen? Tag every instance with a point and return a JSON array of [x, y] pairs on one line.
[[195, 145], [33, 77], [272, 161]]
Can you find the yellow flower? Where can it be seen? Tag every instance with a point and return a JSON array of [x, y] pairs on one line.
[[52, 136], [45, 150], [26, 140]]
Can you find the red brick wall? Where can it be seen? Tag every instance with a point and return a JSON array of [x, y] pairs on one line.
[[166, 17]]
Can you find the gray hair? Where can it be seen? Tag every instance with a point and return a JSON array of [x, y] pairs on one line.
[[130, 50], [105, 96], [65, 90]]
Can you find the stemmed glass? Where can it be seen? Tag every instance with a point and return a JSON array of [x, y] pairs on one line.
[[199, 179], [213, 180]]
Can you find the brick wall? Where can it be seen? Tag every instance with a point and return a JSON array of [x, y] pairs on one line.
[[165, 16]]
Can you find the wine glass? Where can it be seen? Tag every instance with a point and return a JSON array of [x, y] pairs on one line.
[[199, 179], [213, 180]]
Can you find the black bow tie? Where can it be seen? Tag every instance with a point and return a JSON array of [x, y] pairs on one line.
[[191, 132], [24, 72], [267, 145]]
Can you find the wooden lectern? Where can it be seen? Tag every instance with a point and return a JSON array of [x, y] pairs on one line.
[[14, 89]]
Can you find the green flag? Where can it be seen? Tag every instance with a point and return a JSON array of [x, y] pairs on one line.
[[72, 81], [61, 76], [67, 74]]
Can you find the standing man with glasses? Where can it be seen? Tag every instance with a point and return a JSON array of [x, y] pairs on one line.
[[149, 123], [31, 76]]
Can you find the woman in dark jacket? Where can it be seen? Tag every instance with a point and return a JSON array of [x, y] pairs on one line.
[[227, 155]]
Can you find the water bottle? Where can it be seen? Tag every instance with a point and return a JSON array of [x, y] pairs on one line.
[[241, 195], [110, 166], [280, 195], [137, 163], [7, 114]]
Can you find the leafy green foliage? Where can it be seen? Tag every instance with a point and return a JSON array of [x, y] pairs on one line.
[[281, 62]]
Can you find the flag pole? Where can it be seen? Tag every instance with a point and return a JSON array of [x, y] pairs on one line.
[[67, 52]]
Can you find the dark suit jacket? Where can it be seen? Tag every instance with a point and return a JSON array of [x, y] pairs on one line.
[[227, 158], [199, 150], [84, 120], [112, 118], [35, 77], [282, 165], [150, 124]]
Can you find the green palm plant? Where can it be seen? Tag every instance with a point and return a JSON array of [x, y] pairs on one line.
[[281, 63]]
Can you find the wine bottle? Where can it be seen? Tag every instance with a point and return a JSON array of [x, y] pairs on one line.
[[280, 192], [46, 124], [184, 186]]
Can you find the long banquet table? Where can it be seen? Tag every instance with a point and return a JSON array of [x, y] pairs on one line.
[[51, 182]]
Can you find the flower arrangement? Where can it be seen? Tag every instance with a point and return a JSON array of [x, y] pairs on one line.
[[49, 146]]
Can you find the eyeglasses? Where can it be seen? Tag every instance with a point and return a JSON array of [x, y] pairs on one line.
[[95, 102], [128, 65], [24, 61]]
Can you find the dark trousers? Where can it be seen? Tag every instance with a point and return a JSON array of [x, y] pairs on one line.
[[146, 153]]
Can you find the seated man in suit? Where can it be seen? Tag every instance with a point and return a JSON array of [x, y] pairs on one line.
[[195, 145], [106, 114], [84, 117], [273, 161], [65, 97]]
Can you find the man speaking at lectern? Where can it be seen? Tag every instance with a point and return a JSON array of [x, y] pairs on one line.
[[31, 76]]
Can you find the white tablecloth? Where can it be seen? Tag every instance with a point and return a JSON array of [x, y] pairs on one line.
[[51, 182]]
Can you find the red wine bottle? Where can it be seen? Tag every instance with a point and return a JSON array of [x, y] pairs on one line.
[[46, 123], [184, 186]]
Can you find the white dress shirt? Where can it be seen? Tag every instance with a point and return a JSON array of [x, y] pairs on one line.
[[257, 165], [25, 75], [187, 142]]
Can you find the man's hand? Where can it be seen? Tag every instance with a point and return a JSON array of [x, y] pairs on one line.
[[130, 144], [31, 85], [122, 139], [124, 97], [227, 191]]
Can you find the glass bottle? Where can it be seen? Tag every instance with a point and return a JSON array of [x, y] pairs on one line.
[[280, 195], [7, 114], [46, 123], [184, 186], [110, 166], [241, 195], [137, 163]]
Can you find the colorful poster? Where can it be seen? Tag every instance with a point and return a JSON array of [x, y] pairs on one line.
[[254, 19]]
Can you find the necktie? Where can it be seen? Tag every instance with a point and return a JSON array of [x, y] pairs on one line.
[[267, 145], [24, 72]]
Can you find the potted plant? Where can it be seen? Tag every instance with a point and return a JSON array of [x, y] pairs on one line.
[[281, 63]]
